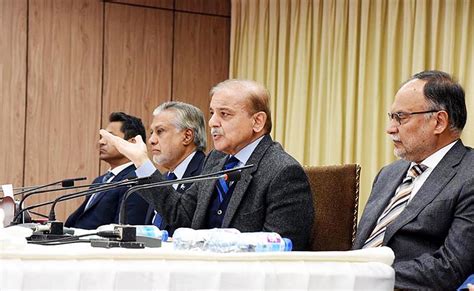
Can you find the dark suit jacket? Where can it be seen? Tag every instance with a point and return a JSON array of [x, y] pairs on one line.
[[274, 195], [194, 168], [105, 207], [433, 238]]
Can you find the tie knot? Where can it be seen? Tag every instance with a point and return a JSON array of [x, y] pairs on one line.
[[107, 176], [231, 163], [171, 176], [417, 170]]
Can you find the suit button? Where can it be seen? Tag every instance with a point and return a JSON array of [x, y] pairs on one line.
[[219, 212]]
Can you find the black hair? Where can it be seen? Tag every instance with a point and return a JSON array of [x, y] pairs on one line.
[[444, 93], [131, 125]]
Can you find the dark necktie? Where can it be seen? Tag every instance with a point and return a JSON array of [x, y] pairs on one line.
[[398, 202], [104, 179], [222, 185], [157, 219]]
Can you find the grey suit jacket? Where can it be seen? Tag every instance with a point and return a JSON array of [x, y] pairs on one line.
[[433, 237], [274, 195]]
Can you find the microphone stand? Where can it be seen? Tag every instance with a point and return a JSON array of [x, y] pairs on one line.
[[55, 229], [107, 186], [33, 191], [230, 174], [26, 189]]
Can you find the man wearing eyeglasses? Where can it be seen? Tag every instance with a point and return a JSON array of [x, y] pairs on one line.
[[422, 206]]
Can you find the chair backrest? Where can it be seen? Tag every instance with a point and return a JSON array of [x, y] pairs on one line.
[[335, 199]]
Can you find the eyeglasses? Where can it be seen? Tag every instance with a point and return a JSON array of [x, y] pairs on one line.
[[399, 116]]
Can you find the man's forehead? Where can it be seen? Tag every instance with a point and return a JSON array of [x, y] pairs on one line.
[[163, 118], [410, 94], [226, 100], [115, 128], [415, 85]]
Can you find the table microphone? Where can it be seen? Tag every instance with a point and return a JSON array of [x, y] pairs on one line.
[[228, 175], [55, 229], [33, 191], [64, 183], [102, 187]]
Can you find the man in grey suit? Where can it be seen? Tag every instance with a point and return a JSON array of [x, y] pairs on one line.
[[422, 206], [274, 195]]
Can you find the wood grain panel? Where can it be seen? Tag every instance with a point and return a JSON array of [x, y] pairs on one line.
[[138, 60], [201, 58], [64, 88], [150, 3], [12, 89], [218, 7]]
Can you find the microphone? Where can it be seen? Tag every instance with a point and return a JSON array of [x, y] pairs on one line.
[[32, 191], [104, 187], [63, 182], [77, 187], [66, 183], [228, 175], [101, 187]]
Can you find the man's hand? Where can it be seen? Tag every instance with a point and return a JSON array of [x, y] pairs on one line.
[[135, 152]]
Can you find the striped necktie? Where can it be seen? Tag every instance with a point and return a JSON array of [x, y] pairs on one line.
[[395, 207]]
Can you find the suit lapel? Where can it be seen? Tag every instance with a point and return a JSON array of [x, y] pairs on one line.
[[439, 177], [121, 176], [195, 165], [379, 199], [194, 168], [207, 189], [242, 185]]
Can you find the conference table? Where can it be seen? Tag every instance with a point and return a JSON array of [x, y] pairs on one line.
[[82, 267]]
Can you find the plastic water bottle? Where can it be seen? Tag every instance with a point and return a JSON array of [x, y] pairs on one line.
[[248, 242], [264, 242], [196, 239], [224, 240], [151, 231]]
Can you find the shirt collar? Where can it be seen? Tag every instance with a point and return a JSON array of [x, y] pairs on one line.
[[120, 168], [432, 161], [181, 168], [244, 154]]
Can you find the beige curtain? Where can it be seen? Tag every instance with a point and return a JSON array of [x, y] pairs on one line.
[[333, 67]]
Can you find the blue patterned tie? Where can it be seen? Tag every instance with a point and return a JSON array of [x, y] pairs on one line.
[[104, 179], [222, 185], [157, 219]]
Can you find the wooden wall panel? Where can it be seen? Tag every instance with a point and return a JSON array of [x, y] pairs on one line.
[[218, 7], [64, 93], [66, 64], [150, 3], [138, 60], [12, 89], [201, 58]]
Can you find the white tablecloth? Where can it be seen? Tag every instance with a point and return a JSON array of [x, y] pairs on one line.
[[81, 267]]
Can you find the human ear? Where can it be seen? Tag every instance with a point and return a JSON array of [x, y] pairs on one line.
[[442, 122], [188, 136], [259, 120]]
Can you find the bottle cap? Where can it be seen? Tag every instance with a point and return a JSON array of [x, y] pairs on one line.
[[288, 244], [164, 235]]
